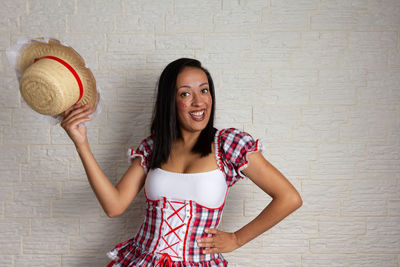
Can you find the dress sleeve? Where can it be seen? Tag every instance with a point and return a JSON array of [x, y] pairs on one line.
[[143, 151], [235, 146]]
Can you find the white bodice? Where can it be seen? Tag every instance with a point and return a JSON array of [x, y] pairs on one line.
[[206, 188]]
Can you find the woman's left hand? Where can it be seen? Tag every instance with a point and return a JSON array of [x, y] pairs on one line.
[[219, 242]]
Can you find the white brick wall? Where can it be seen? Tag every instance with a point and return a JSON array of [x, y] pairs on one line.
[[316, 80]]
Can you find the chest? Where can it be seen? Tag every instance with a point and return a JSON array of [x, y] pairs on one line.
[[182, 161]]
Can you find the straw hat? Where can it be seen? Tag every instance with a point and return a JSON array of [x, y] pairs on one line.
[[54, 77]]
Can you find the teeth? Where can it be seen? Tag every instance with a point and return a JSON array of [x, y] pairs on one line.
[[197, 113]]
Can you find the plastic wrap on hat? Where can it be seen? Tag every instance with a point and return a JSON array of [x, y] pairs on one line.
[[14, 52]]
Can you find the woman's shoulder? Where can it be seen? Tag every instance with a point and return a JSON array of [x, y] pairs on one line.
[[235, 143], [233, 134]]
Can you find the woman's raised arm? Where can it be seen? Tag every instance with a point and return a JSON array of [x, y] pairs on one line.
[[113, 199]]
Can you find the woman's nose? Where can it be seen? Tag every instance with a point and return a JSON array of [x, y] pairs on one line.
[[197, 100]]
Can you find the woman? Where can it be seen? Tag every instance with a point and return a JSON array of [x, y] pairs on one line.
[[186, 167]]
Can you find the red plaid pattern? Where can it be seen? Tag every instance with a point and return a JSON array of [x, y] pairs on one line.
[[232, 148]]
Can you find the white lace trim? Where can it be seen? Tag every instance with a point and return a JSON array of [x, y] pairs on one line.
[[132, 156], [259, 147]]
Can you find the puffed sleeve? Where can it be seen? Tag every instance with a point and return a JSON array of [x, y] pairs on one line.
[[235, 146], [143, 151]]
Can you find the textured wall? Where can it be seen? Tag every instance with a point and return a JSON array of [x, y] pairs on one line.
[[316, 80]]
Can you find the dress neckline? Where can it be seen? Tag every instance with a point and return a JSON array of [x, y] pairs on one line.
[[187, 173]]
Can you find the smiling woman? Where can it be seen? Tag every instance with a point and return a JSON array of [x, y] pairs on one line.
[[186, 167]]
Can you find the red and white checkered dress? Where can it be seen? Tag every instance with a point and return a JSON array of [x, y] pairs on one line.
[[171, 227]]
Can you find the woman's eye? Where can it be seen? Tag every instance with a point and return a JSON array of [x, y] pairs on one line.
[[184, 94], [204, 91]]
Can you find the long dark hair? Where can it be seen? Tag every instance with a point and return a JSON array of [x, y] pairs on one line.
[[165, 125]]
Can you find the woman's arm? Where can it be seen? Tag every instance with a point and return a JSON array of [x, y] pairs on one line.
[[113, 199], [286, 199]]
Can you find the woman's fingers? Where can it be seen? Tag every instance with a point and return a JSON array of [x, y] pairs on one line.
[[77, 113]]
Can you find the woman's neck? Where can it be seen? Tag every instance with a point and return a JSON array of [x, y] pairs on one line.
[[188, 139]]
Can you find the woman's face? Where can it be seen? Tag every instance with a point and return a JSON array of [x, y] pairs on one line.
[[193, 99]]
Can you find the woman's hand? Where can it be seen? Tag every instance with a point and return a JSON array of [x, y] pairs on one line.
[[72, 117], [219, 242]]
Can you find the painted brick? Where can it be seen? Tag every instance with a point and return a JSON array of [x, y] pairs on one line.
[[334, 244], [159, 59], [383, 236], [10, 243], [364, 205], [320, 124], [268, 58], [99, 7], [372, 40], [130, 43], [57, 7], [9, 14], [337, 160], [381, 15], [28, 208], [4, 40], [227, 42], [78, 200], [143, 22], [9, 89], [38, 260], [244, 84], [44, 170], [10, 158], [264, 40], [180, 41], [360, 5], [338, 87], [341, 226], [278, 121], [277, 260], [6, 261], [237, 20], [109, 61], [315, 259], [360, 120], [372, 260], [282, 20], [394, 207], [189, 22], [54, 227], [5, 117], [87, 45], [116, 134], [33, 23], [373, 93], [51, 245], [365, 58], [158, 7], [229, 116], [96, 235], [340, 20], [93, 23], [286, 243], [294, 5], [89, 261], [26, 135], [394, 58]]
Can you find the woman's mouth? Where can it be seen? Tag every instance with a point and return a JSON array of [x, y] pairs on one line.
[[198, 115]]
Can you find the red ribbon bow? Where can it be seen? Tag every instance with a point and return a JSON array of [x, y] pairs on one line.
[[165, 261]]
